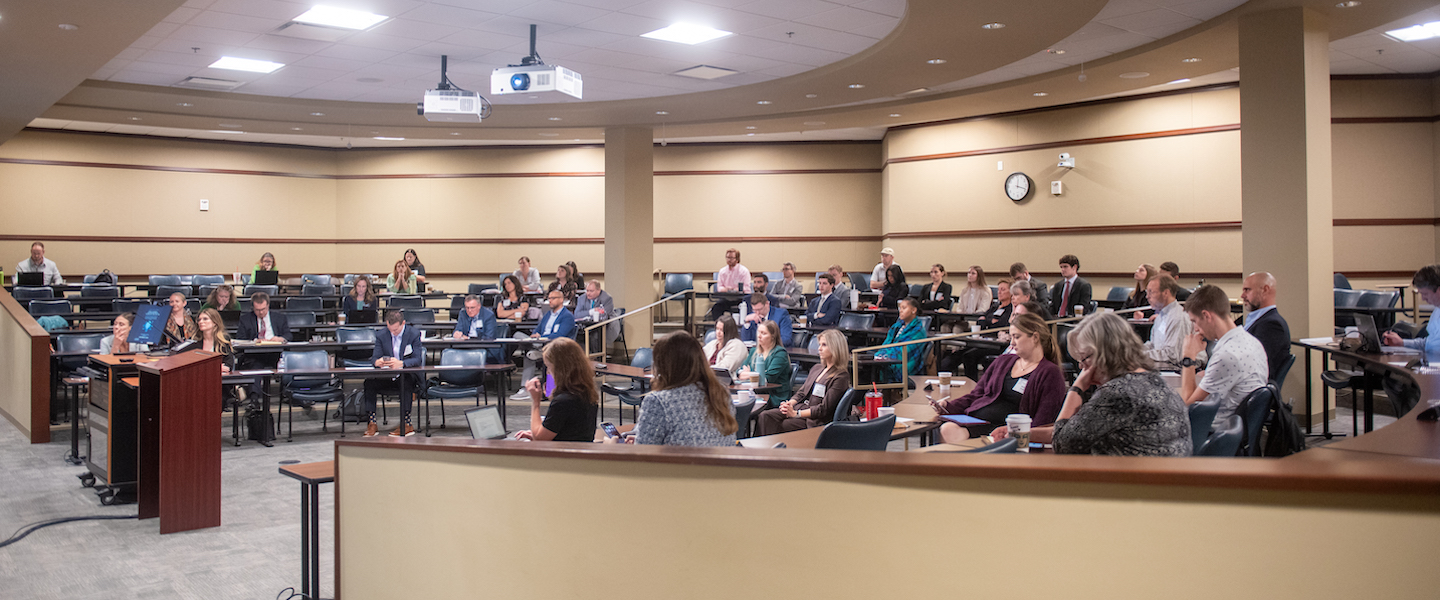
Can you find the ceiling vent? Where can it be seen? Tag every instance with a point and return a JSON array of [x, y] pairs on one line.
[[307, 31], [705, 72], [209, 83]]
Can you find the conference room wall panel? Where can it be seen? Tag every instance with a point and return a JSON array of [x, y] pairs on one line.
[[171, 153], [1350, 98], [1383, 170], [501, 207], [510, 159], [750, 157]]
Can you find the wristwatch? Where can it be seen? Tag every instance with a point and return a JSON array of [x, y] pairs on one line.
[[1188, 362]]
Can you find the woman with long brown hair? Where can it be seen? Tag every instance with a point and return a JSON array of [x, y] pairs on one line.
[[118, 342], [726, 351], [576, 400], [1138, 297], [1028, 381], [688, 406]]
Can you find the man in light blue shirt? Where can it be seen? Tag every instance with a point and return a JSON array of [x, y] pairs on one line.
[[1427, 282], [1167, 336]]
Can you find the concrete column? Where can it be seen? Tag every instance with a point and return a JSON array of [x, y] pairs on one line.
[[1286, 203], [630, 225]]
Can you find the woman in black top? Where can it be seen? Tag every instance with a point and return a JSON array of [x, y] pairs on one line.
[[361, 296], [565, 282], [576, 402], [412, 260], [936, 295], [1138, 298], [895, 288], [512, 299]]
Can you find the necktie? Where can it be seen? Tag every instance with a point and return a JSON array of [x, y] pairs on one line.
[[264, 331], [1065, 301]]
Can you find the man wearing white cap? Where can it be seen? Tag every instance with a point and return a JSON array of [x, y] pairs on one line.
[[877, 277]]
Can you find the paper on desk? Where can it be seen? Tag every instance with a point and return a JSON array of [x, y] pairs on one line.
[[253, 372], [359, 368], [903, 420], [1317, 340], [297, 343], [448, 366]]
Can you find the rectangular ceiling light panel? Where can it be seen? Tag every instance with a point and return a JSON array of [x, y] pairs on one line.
[[686, 33], [343, 18], [245, 64]]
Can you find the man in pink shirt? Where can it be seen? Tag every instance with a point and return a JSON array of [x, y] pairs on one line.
[[734, 278]]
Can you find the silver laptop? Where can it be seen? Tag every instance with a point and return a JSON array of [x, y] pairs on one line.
[[485, 423], [1371, 336]]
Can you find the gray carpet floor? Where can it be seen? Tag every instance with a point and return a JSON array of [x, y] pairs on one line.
[[254, 554]]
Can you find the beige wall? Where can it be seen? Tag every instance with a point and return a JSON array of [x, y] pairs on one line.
[[549, 527]]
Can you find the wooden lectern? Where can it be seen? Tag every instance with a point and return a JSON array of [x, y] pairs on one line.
[[179, 442]]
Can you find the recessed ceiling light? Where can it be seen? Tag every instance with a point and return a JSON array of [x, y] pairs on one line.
[[224, 131], [686, 33], [554, 118], [1040, 94], [134, 118], [993, 26], [454, 133], [763, 102], [814, 123], [245, 64], [296, 129], [550, 134], [69, 27], [662, 112], [1190, 60], [1350, 4], [856, 86], [1416, 33], [1185, 80], [1055, 51], [343, 18], [749, 126], [1134, 75], [317, 114], [388, 139], [812, 95], [937, 61], [185, 104], [893, 115]]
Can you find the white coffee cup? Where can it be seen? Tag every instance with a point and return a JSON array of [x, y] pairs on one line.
[[1079, 310], [886, 410], [1019, 428], [974, 328]]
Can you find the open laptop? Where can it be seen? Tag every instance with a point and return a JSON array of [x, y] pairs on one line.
[[485, 423], [266, 278], [30, 279], [1370, 336], [231, 318], [361, 317]]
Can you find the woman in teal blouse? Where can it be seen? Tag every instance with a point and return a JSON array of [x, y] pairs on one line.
[[908, 328], [771, 361]]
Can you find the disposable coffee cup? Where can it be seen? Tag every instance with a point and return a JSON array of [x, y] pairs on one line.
[[945, 377], [340, 318], [974, 328], [754, 378], [1019, 428], [1079, 310], [886, 410]]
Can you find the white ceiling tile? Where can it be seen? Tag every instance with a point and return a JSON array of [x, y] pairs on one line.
[[675, 11], [745, 44], [815, 37], [877, 30], [1415, 62], [359, 53], [198, 4], [581, 36], [273, 88], [894, 8], [607, 4], [741, 22], [740, 62], [1354, 67], [179, 71], [378, 41], [788, 11], [328, 62], [413, 29], [231, 22], [1205, 9], [656, 65], [315, 93], [144, 78], [211, 35], [495, 6], [603, 56], [177, 58], [624, 24], [147, 41], [163, 29], [844, 19], [1120, 8], [181, 15], [431, 53], [266, 9], [551, 11], [390, 72], [813, 57], [388, 95], [287, 44], [785, 69], [297, 73], [1147, 20], [449, 15], [646, 46], [1166, 30]]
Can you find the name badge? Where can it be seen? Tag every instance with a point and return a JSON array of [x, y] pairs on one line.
[[998, 312], [935, 296], [1020, 385], [407, 351], [818, 390]]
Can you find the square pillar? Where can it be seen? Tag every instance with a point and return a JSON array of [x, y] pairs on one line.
[[1286, 195], [630, 226]]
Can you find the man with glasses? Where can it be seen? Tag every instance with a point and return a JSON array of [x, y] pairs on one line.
[[788, 292], [1427, 282], [733, 278], [1167, 336]]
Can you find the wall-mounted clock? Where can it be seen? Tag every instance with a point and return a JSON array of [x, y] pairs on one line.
[[1018, 186]]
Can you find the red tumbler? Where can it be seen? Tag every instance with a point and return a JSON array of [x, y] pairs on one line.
[[873, 402]]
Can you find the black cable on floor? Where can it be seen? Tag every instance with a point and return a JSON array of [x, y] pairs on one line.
[[33, 527], [293, 594]]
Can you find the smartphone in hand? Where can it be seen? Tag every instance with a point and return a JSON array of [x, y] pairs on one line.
[[610, 429]]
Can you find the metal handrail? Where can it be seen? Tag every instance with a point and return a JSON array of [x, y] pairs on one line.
[[604, 348]]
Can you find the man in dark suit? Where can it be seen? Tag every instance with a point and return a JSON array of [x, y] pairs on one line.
[[261, 325], [765, 312], [396, 346], [595, 306], [1072, 290], [825, 310], [1263, 320], [1039, 293]]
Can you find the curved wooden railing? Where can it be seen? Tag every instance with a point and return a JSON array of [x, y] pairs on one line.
[[603, 354], [24, 371]]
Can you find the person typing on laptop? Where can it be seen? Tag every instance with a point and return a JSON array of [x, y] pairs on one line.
[[37, 263], [1427, 282]]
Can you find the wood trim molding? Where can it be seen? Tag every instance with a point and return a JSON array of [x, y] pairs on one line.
[[1381, 120], [1067, 106], [772, 172], [400, 241], [1082, 229], [1064, 143], [791, 239], [1399, 222], [1385, 76]]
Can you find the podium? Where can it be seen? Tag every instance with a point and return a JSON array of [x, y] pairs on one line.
[[111, 430], [178, 450]]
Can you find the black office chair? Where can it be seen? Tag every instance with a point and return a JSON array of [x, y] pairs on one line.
[[405, 302], [1380, 300], [1284, 371], [455, 384], [300, 320], [349, 278], [311, 303], [23, 293], [1346, 298], [859, 281], [814, 344], [916, 289], [856, 321], [1119, 294], [90, 278], [127, 305], [798, 339], [204, 290], [844, 411], [70, 365], [244, 302], [158, 280], [99, 291], [457, 304], [1254, 409], [192, 305], [271, 290], [315, 279], [40, 308], [1008, 445], [186, 280], [419, 316], [317, 289], [1202, 415], [631, 392], [1224, 442], [215, 280], [309, 389], [743, 414], [674, 284], [479, 288], [869, 435]]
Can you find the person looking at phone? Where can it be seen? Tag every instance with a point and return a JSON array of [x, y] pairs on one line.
[[1028, 381]]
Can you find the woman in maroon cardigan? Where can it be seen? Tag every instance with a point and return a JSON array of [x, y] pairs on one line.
[[1028, 381]]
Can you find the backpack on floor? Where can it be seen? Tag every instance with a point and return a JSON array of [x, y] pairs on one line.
[[1283, 435], [257, 423], [351, 409]]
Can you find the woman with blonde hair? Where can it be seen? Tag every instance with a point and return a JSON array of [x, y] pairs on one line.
[[221, 298], [1028, 381], [401, 280], [975, 297], [361, 296], [576, 401], [210, 332], [688, 406], [814, 403]]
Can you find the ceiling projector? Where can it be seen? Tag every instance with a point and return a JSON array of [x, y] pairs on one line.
[[532, 76], [448, 103]]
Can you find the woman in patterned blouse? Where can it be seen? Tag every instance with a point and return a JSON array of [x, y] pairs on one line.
[[1130, 412], [688, 405]]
